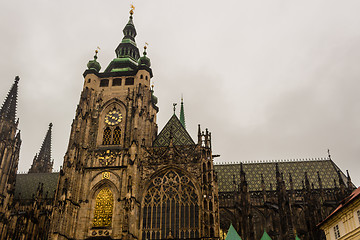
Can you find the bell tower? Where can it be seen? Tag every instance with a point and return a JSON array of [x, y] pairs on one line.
[[97, 194]]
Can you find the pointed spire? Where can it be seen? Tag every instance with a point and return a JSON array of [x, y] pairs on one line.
[[319, 180], [127, 47], [307, 182], [182, 113], [42, 162], [277, 173], [8, 109], [341, 180], [199, 135], [45, 151], [291, 182], [349, 183]]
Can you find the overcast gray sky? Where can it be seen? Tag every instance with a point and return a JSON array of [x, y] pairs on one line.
[[271, 80]]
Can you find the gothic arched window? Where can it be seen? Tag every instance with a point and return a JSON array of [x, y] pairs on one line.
[[103, 208], [171, 208], [107, 136], [116, 136]]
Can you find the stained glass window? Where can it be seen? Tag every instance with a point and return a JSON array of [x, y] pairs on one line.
[[103, 208], [107, 136], [171, 208], [116, 136]]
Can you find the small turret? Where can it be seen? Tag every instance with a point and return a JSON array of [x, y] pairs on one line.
[[144, 60], [93, 64]]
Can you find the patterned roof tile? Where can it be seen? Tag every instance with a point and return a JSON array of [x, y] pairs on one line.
[[176, 130], [229, 173]]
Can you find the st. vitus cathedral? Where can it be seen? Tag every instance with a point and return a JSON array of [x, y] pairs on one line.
[[121, 179]]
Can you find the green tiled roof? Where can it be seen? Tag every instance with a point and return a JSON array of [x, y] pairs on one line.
[[175, 129], [327, 170], [265, 236], [232, 234], [27, 184]]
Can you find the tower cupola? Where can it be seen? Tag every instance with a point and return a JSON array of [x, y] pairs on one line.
[[144, 60], [93, 64], [127, 53]]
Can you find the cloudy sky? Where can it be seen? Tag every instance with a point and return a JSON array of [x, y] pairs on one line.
[[271, 80]]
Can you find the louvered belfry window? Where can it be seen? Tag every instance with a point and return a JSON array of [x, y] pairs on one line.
[[171, 208]]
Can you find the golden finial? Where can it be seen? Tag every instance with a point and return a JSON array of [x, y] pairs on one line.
[[132, 9], [145, 46], [97, 50]]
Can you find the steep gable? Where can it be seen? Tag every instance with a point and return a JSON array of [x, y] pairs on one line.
[[175, 130]]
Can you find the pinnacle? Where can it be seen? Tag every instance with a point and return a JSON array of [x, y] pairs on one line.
[[8, 109], [42, 162], [182, 113]]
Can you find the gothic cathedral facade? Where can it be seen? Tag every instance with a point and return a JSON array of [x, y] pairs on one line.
[[120, 178], [123, 179]]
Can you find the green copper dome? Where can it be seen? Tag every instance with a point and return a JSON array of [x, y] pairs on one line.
[[93, 64], [154, 99], [144, 60]]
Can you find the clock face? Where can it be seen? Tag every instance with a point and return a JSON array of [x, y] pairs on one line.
[[113, 117]]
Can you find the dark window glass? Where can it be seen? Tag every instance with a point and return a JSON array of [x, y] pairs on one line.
[[104, 82], [129, 81], [116, 82], [107, 136], [116, 136]]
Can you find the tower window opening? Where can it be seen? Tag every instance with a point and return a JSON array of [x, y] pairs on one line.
[[104, 82], [89, 80], [129, 81], [141, 76], [146, 77], [116, 82], [107, 136], [116, 136]]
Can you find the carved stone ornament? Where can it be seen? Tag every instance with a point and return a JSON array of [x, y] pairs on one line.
[[107, 158]]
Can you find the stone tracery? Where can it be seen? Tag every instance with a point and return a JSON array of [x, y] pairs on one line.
[[171, 207]]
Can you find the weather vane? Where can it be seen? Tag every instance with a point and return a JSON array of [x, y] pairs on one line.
[[132, 9]]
